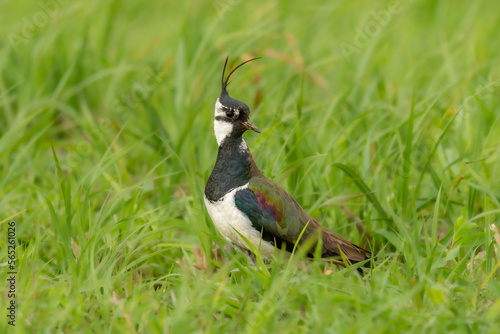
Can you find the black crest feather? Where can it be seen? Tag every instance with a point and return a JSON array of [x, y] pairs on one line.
[[225, 83]]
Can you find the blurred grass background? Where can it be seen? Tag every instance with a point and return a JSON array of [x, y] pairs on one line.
[[107, 141]]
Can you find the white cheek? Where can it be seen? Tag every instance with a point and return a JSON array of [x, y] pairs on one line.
[[218, 108], [222, 130]]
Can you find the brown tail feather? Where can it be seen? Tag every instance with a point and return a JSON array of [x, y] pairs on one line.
[[333, 245]]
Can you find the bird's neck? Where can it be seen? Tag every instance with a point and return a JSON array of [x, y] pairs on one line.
[[234, 168]]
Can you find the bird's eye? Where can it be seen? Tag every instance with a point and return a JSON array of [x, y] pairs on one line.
[[230, 113]]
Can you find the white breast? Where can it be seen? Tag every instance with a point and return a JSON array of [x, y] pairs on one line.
[[227, 218]]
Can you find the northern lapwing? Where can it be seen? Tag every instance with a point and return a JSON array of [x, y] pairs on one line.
[[241, 200]]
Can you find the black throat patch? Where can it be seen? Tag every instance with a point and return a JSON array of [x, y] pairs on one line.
[[232, 168]]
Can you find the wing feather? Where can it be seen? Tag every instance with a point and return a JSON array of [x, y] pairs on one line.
[[274, 212]]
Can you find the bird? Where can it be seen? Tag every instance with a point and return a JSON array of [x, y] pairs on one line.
[[242, 202]]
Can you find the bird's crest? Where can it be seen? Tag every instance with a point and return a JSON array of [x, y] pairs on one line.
[[225, 83]]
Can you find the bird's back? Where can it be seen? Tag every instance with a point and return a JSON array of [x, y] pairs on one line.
[[276, 213]]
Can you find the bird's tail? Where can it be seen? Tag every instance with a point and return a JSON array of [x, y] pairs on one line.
[[335, 246]]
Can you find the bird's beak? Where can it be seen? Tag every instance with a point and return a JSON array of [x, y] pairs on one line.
[[250, 126]]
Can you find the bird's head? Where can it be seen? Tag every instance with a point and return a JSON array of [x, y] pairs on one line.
[[231, 116]]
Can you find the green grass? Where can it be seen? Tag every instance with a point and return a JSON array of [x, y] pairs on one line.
[[107, 142]]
